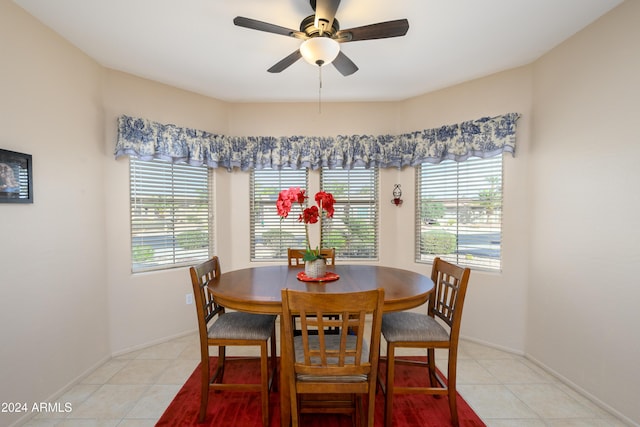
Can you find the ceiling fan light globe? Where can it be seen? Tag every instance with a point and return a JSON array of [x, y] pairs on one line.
[[320, 50]]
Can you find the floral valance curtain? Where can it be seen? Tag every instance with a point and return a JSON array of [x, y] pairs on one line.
[[485, 137]]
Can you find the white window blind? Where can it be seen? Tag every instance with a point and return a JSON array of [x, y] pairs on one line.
[[271, 236], [171, 214], [459, 212], [353, 231]]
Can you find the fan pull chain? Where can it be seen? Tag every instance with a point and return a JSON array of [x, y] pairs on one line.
[[320, 89]]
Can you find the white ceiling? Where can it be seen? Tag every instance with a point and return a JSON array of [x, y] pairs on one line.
[[193, 44]]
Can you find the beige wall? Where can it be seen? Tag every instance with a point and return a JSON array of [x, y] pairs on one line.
[[53, 281], [583, 315], [149, 307], [80, 304]]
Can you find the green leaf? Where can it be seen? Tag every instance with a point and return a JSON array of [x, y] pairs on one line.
[[311, 255]]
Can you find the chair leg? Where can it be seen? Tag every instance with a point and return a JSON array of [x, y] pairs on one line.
[[356, 415], [295, 408], [294, 398], [274, 361], [222, 351], [264, 377], [451, 388], [452, 408], [388, 398], [431, 364], [371, 403], [204, 389]]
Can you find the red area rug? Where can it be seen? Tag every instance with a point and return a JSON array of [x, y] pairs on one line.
[[243, 408]]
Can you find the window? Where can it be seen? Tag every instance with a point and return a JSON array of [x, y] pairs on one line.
[[270, 236], [353, 231], [171, 214], [459, 212]]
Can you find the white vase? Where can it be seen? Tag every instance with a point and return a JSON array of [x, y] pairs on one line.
[[316, 268]]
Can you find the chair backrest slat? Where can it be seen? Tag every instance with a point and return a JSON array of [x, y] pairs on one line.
[[206, 305], [450, 282], [295, 256], [352, 311]]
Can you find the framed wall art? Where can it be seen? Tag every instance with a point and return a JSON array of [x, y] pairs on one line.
[[16, 177]]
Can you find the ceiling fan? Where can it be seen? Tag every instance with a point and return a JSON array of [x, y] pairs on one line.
[[322, 36]]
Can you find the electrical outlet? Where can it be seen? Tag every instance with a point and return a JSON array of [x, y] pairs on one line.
[[189, 298]]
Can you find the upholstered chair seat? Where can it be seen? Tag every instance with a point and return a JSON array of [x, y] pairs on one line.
[[242, 326], [408, 326]]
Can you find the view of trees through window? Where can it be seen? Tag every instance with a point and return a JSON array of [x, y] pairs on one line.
[[171, 215], [271, 236], [459, 212], [353, 231]]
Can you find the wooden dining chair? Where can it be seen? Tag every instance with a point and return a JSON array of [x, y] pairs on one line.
[[220, 328], [336, 365], [417, 330], [295, 256]]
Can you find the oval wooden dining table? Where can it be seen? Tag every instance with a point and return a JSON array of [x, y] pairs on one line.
[[258, 290]]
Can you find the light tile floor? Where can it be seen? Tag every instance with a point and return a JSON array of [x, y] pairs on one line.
[[504, 389]]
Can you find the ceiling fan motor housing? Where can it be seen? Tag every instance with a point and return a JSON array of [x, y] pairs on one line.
[[308, 27]]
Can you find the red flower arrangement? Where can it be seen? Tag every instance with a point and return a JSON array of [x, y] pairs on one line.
[[310, 215]]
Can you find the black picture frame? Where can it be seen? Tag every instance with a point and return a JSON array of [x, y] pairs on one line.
[[16, 177]]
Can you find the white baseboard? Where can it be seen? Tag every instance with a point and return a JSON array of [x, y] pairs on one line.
[[582, 392], [55, 396], [492, 345], [152, 343]]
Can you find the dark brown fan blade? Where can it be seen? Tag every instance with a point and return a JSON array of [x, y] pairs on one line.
[[381, 30], [254, 24], [344, 64], [285, 62], [325, 13]]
